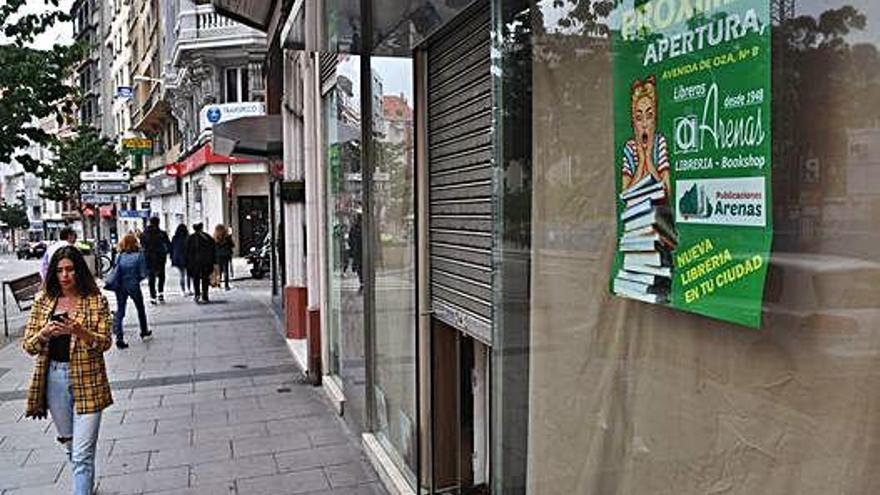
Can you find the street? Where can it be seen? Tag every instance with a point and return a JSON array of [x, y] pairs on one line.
[[213, 404]]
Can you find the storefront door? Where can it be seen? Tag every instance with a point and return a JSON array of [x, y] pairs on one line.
[[253, 221]]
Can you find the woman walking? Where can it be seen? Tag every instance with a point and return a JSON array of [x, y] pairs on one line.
[[68, 331], [225, 245], [178, 258], [131, 268]]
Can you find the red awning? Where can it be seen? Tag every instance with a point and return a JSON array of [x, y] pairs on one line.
[[201, 157]]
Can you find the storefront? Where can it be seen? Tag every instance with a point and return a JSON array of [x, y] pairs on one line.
[[467, 218], [633, 398]]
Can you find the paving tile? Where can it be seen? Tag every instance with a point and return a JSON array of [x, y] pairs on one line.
[[283, 484], [235, 469], [158, 413], [128, 430], [227, 488], [150, 481], [230, 432], [368, 489], [323, 437], [299, 460], [152, 443], [350, 474], [192, 398], [215, 419], [40, 474], [245, 447], [123, 464], [197, 454]]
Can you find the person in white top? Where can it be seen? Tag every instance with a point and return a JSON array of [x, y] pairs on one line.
[[67, 237]]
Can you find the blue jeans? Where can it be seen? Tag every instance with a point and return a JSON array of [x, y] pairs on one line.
[[122, 296], [185, 280], [83, 428]]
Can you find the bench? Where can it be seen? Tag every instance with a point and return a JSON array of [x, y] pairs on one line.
[[24, 290]]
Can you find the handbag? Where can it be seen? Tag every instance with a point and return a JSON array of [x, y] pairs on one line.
[[111, 279]]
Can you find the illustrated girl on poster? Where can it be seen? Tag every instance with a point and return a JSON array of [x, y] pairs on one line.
[[646, 152]]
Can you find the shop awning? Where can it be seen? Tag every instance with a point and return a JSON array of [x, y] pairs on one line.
[[249, 137], [204, 155]]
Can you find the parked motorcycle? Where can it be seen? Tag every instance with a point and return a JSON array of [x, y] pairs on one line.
[[258, 258]]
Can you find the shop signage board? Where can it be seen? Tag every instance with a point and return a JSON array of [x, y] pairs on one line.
[[222, 112], [138, 146], [693, 155], [161, 185]]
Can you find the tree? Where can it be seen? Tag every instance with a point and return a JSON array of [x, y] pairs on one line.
[[14, 215], [81, 153], [31, 81]]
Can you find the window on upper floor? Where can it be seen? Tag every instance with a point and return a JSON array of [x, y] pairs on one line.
[[237, 85]]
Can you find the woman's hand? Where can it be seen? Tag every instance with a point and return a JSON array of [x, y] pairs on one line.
[[74, 327]]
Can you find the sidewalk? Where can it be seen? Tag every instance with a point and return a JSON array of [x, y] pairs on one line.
[[212, 405]]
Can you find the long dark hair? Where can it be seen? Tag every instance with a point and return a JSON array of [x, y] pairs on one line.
[[85, 282], [181, 231]]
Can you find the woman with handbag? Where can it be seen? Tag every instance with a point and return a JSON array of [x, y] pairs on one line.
[[68, 331], [125, 280]]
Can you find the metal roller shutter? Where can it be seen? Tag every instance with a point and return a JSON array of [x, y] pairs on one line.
[[460, 173]]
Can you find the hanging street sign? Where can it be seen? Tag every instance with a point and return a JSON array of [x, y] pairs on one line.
[[102, 198], [134, 214], [124, 92], [105, 187], [104, 176]]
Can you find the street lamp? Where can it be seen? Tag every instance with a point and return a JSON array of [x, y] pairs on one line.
[[147, 79]]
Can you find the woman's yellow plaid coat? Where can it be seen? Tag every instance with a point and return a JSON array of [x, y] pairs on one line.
[[88, 374]]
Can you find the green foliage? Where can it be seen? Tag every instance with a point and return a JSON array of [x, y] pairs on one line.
[[14, 215], [80, 153], [31, 81]]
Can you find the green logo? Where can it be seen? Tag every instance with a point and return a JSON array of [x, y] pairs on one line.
[[694, 203]]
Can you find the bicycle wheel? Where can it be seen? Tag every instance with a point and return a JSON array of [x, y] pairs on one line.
[[104, 265]]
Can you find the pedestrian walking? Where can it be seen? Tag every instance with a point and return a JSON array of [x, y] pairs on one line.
[[131, 269], [156, 248], [68, 331], [178, 258], [66, 237], [200, 258], [225, 246]]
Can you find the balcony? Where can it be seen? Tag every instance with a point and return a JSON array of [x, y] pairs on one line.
[[203, 28]]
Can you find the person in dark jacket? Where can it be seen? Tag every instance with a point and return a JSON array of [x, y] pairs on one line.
[[178, 258], [225, 245], [156, 249], [200, 258], [131, 268]]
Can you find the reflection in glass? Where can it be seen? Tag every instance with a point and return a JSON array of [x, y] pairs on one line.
[[345, 303], [628, 398], [393, 253]]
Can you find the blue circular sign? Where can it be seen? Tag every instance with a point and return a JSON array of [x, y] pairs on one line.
[[214, 115]]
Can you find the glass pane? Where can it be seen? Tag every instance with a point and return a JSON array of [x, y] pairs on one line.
[[231, 85], [632, 398], [345, 301], [393, 254]]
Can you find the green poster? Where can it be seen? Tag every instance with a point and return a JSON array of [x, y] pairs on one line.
[[693, 154]]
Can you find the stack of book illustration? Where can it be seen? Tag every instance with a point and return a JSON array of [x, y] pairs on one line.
[[647, 243]]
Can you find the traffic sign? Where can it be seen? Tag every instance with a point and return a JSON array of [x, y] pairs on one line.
[[102, 198], [105, 187], [104, 176]]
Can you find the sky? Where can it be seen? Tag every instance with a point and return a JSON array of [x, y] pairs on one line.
[[59, 33]]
